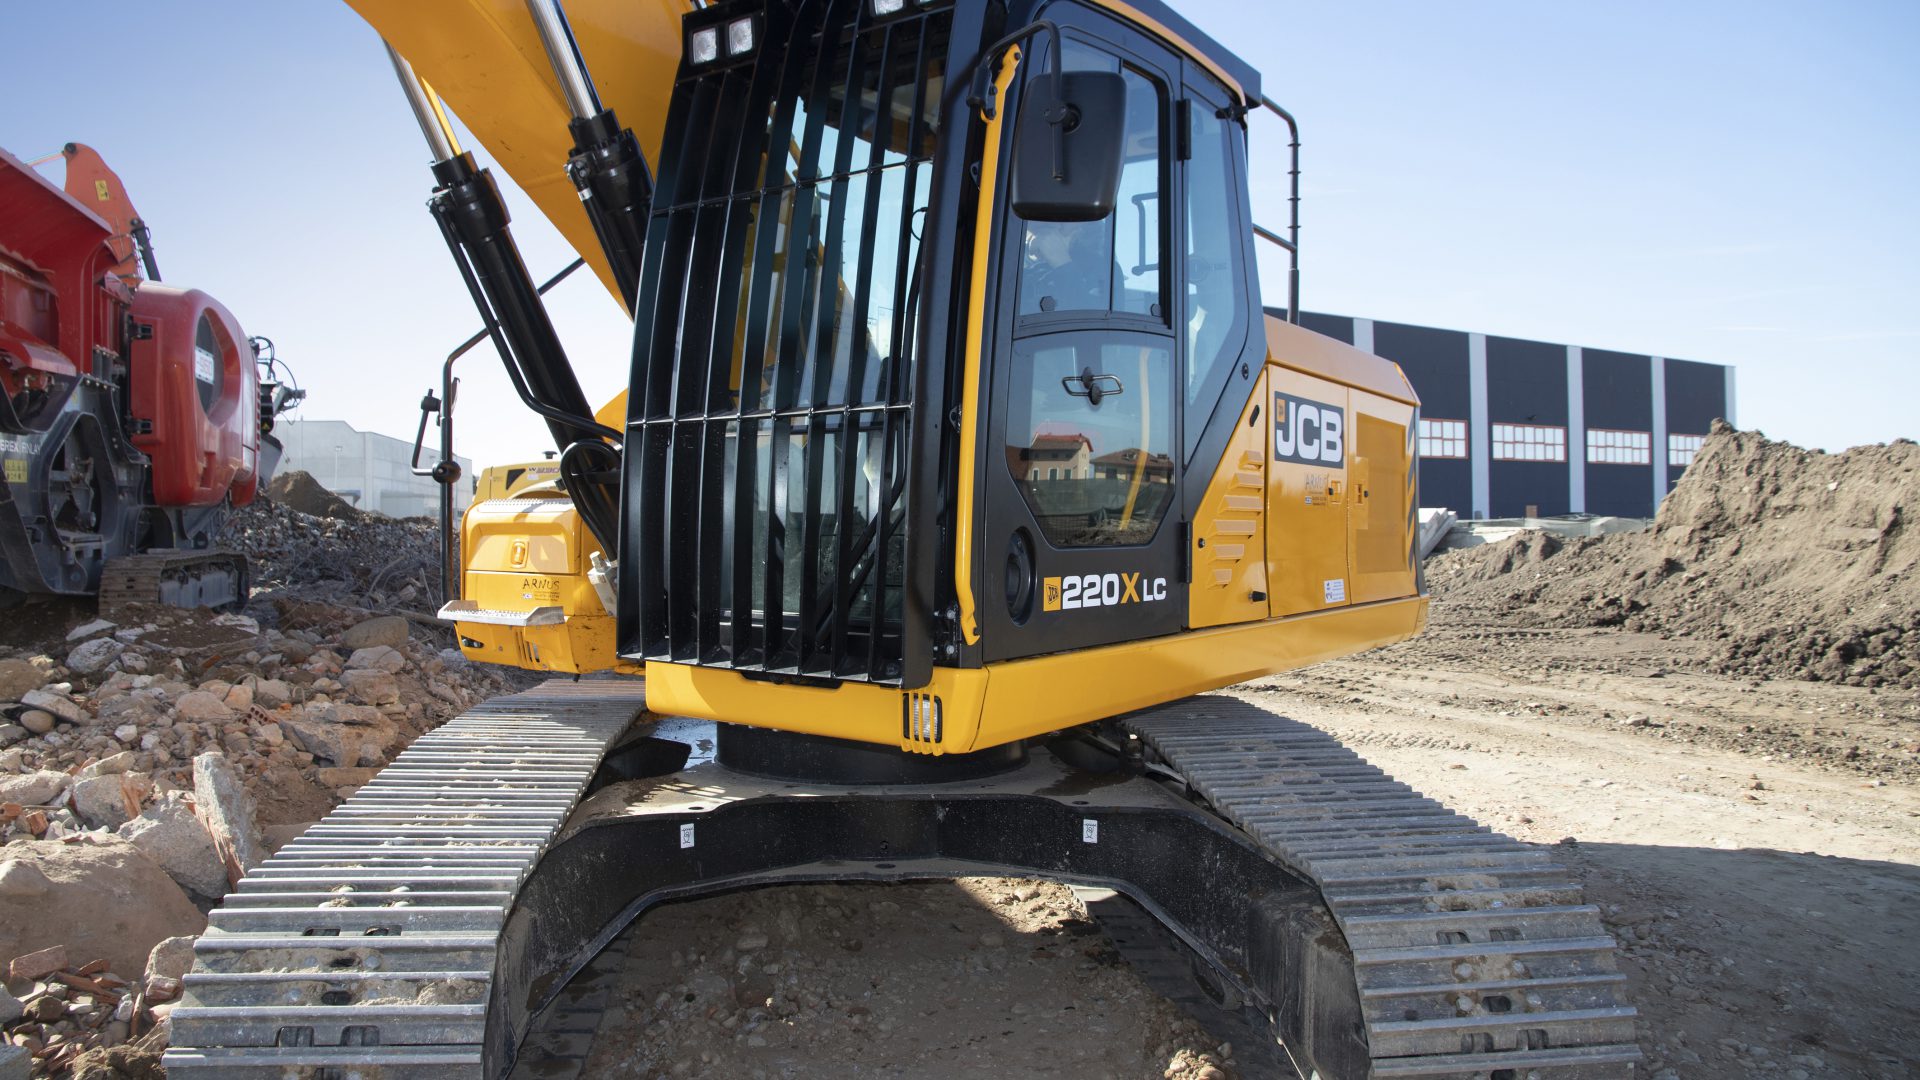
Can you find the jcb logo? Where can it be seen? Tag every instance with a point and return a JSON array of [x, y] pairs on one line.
[[1308, 432], [1099, 590]]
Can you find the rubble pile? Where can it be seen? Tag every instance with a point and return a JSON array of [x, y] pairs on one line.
[[303, 540], [1777, 562], [145, 764]]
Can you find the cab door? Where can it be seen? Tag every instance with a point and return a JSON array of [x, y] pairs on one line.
[[1083, 538]]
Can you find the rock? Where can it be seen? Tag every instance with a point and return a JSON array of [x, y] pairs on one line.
[[751, 941], [342, 734], [388, 630], [21, 880], [226, 810], [271, 693], [239, 699], [10, 1010], [107, 766], [95, 656], [127, 733], [171, 835], [60, 705], [378, 657], [34, 788], [370, 687], [17, 677], [171, 958], [202, 706], [90, 629], [13, 733], [108, 802], [108, 900], [39, 964]]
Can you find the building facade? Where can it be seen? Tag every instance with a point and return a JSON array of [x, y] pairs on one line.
[[1516, 428], [370, 470]]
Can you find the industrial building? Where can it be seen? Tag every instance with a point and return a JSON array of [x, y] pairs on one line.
[[1516, 428], [370, 470]]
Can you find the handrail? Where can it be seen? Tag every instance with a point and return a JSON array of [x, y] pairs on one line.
[[1291, 243]]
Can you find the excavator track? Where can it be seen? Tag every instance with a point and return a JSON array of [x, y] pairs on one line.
[[211, 578], [1474, 954], [378, 945], [366, 948]]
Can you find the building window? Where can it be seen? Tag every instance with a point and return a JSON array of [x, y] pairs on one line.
[[1681, 448], [1529, 442], [1608, 447], [1443, 438]]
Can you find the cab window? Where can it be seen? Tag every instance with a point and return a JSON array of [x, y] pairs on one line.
[[1113, 264]]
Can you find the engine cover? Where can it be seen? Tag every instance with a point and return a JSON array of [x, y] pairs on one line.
[[194, 385]]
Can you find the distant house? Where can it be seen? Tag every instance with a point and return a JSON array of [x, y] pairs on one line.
[[1122, 464], [1057, 457]]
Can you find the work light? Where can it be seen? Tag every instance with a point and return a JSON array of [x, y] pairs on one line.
[[740, 37], [703, 47]]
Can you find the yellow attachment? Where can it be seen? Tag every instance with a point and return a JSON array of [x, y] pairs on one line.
[[486, 60], [523, 555]]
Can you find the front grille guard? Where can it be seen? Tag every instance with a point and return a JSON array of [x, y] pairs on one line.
[[772, 406]]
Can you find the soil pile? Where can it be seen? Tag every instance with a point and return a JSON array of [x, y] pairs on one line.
[[298, 490], [1776, 561]]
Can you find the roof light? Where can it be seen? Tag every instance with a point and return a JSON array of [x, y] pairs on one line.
[[740, 37], [703, 47], [888, 7]]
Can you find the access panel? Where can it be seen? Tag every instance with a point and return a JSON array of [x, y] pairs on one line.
[[1307, 492]]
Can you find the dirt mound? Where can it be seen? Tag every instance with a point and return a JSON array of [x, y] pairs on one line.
[[1780, 562], [300, 491]]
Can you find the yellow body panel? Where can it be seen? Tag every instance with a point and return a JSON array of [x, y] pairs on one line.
[[523, 554], [485, 59], [1230, 529], [1307, 521], [514, 481], [1022, 699], [1381, 515]]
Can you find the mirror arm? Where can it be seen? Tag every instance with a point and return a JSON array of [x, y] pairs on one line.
[[982, 97]]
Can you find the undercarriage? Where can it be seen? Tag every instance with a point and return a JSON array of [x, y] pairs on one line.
[[420, 928]]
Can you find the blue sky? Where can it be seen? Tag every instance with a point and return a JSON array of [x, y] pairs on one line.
[[1722, 181]]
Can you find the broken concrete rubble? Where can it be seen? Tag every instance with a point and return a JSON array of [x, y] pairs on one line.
[[172, 835], [226, 810]]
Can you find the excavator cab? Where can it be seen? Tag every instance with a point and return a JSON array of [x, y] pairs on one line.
[[952, 404], [957, 454]]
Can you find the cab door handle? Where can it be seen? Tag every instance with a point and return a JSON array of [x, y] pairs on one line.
[[1091, 386]]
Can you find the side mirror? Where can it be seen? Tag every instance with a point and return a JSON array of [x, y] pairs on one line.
[[1067, 151]]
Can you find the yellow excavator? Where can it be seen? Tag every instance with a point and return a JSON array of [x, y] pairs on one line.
[[956, 456]]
